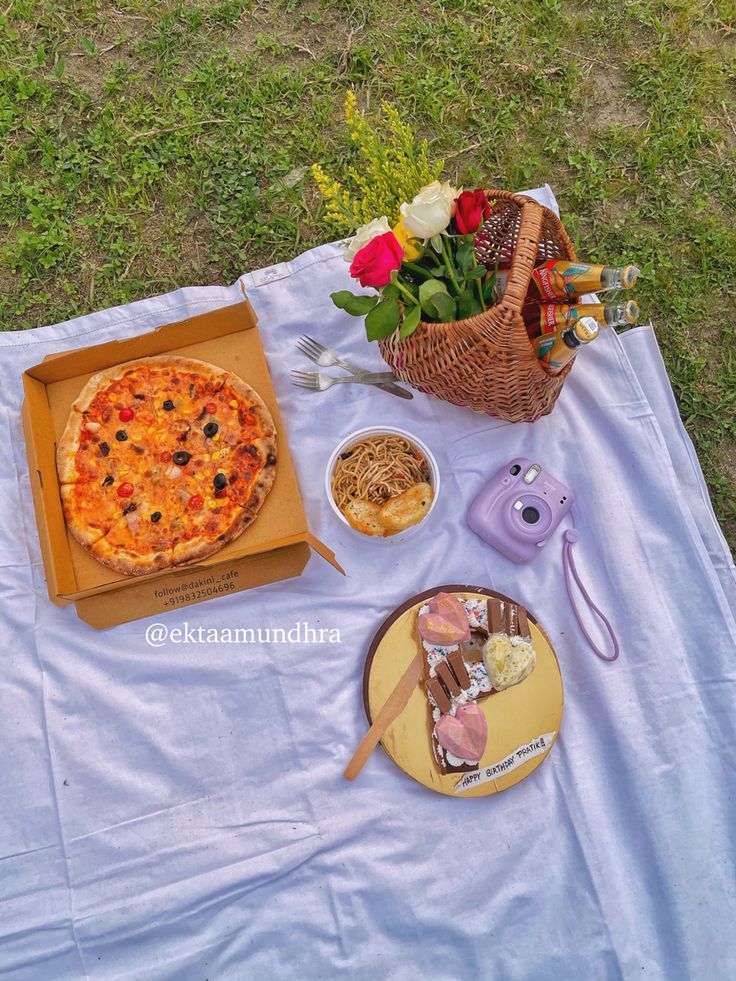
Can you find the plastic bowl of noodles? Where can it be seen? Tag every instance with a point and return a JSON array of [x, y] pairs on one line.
[[382, 483]]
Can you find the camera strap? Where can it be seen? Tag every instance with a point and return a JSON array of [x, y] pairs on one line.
[[571, 572]]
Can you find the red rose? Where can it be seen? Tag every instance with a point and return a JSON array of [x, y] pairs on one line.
[[374, 263], [472, 208]]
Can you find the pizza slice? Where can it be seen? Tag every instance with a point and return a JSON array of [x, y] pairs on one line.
[[134, 546]]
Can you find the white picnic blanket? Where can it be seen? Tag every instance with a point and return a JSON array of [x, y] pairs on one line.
[[178, 811]]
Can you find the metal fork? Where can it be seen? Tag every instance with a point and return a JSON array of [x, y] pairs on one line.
[[325, 357], [319, 382]]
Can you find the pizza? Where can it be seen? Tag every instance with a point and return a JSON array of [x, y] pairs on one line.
[[163, 461]]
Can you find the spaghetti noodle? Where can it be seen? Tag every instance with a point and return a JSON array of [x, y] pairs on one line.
[[376, 469]]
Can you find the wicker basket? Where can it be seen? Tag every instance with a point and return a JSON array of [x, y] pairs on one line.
[[486, 362]]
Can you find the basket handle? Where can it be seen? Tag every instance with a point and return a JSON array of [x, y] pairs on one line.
[[525, 254]]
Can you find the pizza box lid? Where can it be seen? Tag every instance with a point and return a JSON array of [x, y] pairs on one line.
[[227, 337]]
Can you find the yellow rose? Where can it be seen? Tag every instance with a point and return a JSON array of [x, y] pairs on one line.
[[403, 235]]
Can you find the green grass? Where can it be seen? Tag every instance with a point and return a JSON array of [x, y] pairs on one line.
[[151, 145]]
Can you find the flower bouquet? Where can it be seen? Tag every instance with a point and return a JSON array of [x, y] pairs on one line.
[[421, 262], [429, 255]]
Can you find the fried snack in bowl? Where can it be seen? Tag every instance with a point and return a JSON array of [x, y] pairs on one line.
[[365, 517], [407, 509]]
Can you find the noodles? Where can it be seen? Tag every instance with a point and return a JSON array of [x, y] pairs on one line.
[[376, 469]]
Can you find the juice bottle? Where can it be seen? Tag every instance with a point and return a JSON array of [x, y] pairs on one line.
[[545, 318], [555, 350], [562, 279]]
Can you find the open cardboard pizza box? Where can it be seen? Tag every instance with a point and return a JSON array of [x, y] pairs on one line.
[[276, 546]]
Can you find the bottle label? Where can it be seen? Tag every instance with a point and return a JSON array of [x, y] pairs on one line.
[[556, 315], [558, 279], [552, 350], [549, 347]]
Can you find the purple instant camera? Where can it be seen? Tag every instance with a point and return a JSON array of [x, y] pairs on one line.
[[518, 509]]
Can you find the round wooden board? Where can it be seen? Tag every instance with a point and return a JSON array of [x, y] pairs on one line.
[[515, 716]]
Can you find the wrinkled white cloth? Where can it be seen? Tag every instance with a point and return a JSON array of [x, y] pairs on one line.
[[178, 811]]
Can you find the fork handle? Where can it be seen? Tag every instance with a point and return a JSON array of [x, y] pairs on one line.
[[354, 369], [365, 378], [387, 386]]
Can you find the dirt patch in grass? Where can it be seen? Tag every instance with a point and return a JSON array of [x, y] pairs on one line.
[[611, 105], [310, 33]]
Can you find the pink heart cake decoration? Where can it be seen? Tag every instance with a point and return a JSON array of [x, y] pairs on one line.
[[464, 734], [436, 629], [449, 607]]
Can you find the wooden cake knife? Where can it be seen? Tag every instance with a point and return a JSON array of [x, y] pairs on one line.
[[391, 710]]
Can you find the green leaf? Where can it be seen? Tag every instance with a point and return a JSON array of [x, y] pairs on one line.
[[477, 272], [382, 320], [391, 292], [410, 322], [59, 66], [465, 256], [489, 289], [436, 241], [427, 291], [416, 270], [355, 305], [445, 307], [89, 46], [467, 304], [431, 286]]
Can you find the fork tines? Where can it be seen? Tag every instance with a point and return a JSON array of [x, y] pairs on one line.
[[304, 379], [307, 345]]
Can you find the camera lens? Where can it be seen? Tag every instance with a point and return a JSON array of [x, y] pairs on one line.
[[515, 469], [530, 515]]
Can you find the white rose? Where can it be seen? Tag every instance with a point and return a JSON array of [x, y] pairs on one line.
[[430, 211], [364, 235]]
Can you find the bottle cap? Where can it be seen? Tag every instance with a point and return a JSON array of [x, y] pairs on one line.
[[629, 276], [631, 312], [586, 329]]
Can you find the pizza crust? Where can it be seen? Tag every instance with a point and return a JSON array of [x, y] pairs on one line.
[[130, 563], [84, 534], [201, 547], [251, 397], [109, 375], [67, 448], [266, 477]]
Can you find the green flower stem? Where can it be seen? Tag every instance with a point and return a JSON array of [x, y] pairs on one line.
[[430, 254], [419, 270], [406, 292], [450, 266], [480, 294]]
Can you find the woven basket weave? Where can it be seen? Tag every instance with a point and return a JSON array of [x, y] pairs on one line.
[[486, 362]]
